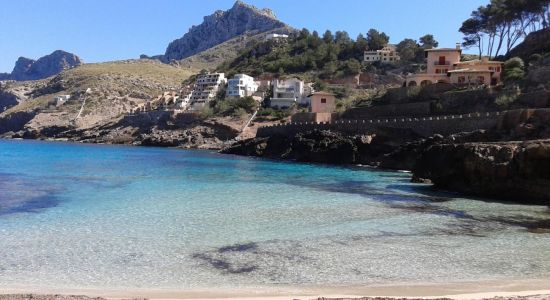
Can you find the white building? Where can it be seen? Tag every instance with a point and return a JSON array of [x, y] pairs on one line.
[[286, 92], [183, 101], [61, 99], [241, 85], [184, 97], [206, 88], [276, 36], [388, 54]]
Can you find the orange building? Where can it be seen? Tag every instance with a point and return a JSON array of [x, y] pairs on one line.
[[322, 102], [444, 65]]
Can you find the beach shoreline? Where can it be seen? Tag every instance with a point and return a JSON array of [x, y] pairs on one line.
[[535, 288]]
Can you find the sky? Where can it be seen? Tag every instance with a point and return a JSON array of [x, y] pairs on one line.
[[105, 30]]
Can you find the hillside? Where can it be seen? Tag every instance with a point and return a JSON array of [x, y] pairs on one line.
[[101, 115], [537, 42], [222, 26], [115, 86], [211, 58], [331, 56]]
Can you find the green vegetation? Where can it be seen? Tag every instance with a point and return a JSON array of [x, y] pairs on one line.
[[376, 40], [211, 58], [513, 70], [502, 23], [329, 56], [412, 51], [236, 107], [504, 101]]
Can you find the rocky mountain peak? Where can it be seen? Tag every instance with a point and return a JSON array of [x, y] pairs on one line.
[[221, 26], [240, 6], [22, 65], [46, 66]]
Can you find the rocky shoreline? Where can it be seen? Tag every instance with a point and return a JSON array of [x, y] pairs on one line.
[[161, 129], [511, 162]]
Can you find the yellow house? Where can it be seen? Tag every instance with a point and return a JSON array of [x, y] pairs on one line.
[[388, 54], [444, 65]]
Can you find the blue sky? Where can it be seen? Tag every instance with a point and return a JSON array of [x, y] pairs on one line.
[[104, 30]]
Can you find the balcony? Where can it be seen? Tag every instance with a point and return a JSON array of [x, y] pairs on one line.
[[438, 63]]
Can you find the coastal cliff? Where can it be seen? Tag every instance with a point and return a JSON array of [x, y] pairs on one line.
[[518, 171]]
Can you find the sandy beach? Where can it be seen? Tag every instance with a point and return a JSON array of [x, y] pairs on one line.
[[513, 289]]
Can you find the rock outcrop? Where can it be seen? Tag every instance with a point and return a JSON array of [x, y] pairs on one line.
[[220, 27], [46, 66], [324, 146], [537, 42], [12, 94], [519, 171]]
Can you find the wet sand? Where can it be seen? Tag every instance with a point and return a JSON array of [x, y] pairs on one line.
[[536, 289]]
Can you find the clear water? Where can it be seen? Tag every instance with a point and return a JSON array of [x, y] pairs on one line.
[[92, 216]]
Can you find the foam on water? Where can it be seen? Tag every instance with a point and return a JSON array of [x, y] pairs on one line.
[[89, 216]]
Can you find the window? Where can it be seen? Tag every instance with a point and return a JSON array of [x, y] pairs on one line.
[[442, 60], [498, 69], [437, 71], [461, 79], [323, 100]]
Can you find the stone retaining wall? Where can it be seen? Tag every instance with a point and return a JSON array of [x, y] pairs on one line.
[[424, 126], [360, 113]]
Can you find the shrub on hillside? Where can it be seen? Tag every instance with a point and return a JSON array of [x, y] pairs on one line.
[[513, 70], [505, 100], [277, 114], [235, 106]]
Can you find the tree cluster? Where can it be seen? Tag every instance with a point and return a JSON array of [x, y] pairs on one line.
[[413, 51], [330, 55], [499, 25]]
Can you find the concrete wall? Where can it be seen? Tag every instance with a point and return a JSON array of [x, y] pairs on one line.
[[426, 126]]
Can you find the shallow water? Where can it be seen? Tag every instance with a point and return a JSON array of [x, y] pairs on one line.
[[92, 216]]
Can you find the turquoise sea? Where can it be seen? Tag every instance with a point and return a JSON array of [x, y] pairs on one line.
[[96, 216]]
